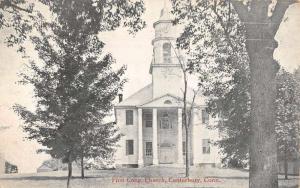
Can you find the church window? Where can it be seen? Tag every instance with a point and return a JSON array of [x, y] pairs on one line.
[[167, 52], [183, 148], [148, 148], [167, 102], [129, 117], [205, 117], [148, 123], [205, 146], [129, 147], [148, 120], [165, 122]]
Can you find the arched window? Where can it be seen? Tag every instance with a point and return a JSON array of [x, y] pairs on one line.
[[167, 102], [167, 52]]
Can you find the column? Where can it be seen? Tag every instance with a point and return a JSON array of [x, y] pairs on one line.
[[179, 138], [154, 137], [140, 138]]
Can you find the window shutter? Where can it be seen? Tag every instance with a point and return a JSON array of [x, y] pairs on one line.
[[129, 147], [205, 146], [129, 117], [205, 116]]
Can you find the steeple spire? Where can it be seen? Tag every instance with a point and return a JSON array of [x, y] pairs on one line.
[[165, 12], [165, 3]]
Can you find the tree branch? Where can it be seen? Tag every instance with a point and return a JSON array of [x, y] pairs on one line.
[[224, 25], [241, 10], [219, 17], [279, 12], [8, 4], [20, 8], [179, 60], [192, 106]]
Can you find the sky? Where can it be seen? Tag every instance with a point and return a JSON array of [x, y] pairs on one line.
[[133, 51]]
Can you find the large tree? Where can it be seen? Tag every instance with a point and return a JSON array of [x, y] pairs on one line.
[[261, 19], [74, 82], [223, 72], [74, 86]]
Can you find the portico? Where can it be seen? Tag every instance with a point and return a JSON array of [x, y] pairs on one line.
[[163, 132]]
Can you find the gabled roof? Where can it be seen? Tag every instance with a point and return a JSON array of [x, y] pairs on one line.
[[140, 97], [144, 98], [166, 100]]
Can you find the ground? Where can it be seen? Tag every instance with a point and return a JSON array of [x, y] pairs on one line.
[[142, 177]]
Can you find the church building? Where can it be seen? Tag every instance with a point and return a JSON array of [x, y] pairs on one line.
[[151, 119]]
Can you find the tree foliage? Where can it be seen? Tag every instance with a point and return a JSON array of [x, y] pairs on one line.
[[74, 85], [74, 81], [100, 141], [222, 69], [16, 16], [287, 120], [21, 16], [215, 40]]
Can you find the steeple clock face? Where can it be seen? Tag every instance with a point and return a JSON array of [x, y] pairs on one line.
[[169, 71]]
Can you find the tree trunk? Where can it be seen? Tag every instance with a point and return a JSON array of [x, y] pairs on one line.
[[285, 163], [187, 155], [260, 36], [186, 125], [82, 167], [263, 147], [69, 173]]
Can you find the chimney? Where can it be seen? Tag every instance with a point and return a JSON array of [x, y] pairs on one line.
[[120, 98]]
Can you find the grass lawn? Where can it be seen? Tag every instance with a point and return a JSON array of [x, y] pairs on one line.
[[143, 177]]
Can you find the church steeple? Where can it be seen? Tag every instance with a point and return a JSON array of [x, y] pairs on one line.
[[165, 12], [165, 68]]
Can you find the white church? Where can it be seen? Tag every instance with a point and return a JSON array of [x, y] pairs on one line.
[[151, 118]]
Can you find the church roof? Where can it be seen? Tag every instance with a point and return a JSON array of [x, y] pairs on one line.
[[144, 96], [140, 97], [165, 15], [166, 100]]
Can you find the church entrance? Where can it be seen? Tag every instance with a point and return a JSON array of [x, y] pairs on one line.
[[167, 132], [166, 153]]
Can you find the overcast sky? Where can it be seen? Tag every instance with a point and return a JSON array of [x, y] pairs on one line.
[[135, 52]]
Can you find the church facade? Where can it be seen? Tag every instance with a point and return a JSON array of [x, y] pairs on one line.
[[151, 119]]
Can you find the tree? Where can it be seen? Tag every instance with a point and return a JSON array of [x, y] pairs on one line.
[[287, 122], [223, 72], [21, 16], [74, 82], [187, 108], [98, 142], [261, 20], [74, 85]]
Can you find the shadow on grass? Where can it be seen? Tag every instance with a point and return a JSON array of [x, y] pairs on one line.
[[229, 177], [239, 177], [44, 178]]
